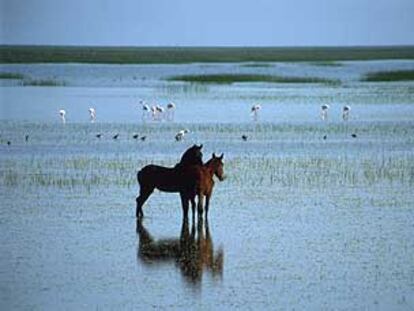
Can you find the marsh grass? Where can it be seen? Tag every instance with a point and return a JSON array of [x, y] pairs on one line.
[[389, 76], [314, 172], [11, 76], [42, 82], [257, 65], [327, 64], [179, 55], [237, 78]]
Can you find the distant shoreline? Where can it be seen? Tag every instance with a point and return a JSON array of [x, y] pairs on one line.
[[10, 54]]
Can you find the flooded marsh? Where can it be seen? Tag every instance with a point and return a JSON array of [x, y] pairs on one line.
[[313, 215]]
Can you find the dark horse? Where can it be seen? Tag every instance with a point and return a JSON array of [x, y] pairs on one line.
[[200, 183], [168, 179], [192, 252]]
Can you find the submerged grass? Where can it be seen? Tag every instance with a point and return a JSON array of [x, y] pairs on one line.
[[389, 76], [234, 78]]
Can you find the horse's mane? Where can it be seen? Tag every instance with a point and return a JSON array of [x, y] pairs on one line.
[[190, 158]]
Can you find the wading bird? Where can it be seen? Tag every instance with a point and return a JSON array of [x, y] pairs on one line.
[[62, 114], [92, 114], [99, 135], [159, 112], [143, 138], [115, 136], [324, 111], [170, 111], [244, 137], [180, 135], [345, 112], [26, 138], [146, 110], [135, 136], [255, 111]]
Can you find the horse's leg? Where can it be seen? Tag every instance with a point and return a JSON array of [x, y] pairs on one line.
[[144, 194], [200, 204], [207, 204], [184, 203], [193, 206]]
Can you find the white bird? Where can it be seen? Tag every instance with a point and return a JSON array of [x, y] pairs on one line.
[[92, 114], [180, 135], [255, 111], [154, 112], [345, 112], [62, 114], [159, 112], [170, 111], [324, 111], [146, 110]]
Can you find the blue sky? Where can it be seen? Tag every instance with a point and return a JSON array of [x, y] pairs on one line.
[[208, 22]]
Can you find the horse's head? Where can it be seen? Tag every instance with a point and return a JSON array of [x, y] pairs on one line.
[[192, 156], [217, 164]]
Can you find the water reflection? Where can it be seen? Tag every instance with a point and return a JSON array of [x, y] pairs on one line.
[[192, 252]]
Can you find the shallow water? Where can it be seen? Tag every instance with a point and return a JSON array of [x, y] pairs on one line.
[[301, 222]]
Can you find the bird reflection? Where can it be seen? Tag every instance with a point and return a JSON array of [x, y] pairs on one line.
[[192, 252]]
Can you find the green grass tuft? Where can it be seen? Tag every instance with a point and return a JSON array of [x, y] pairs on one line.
[[388, 76]]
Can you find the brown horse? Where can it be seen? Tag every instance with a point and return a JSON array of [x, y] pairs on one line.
[[192, 252], [200, 183], [168, 179]]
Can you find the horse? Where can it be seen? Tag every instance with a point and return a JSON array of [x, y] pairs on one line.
[[200, 183], [168, 179], [192, 252]]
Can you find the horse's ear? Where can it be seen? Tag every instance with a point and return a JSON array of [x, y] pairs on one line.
[[201, 146], [214, 155], [221, 157]]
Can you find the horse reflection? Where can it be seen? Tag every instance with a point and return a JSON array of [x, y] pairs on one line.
[[192, 252]]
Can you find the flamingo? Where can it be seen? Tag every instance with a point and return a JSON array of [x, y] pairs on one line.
[[62, 114], [160, 111], [92, 114], [255, 111], [170, 110], [145, 109], [324, 111], [345, 112], [180, 135], [154, 112]]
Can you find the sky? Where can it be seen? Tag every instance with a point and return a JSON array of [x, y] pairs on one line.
[[207, 22]]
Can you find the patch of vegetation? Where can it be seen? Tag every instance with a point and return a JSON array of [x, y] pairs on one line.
[[233, 78], [387, 76], [179, 55], [257, 65], [327, 64], [42, 82], [11, 76]]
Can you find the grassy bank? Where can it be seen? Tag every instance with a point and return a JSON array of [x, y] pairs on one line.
[[233, 78], [398, 75], [171, 55]]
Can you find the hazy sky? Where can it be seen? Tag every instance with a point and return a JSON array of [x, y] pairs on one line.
[[207, 22]]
